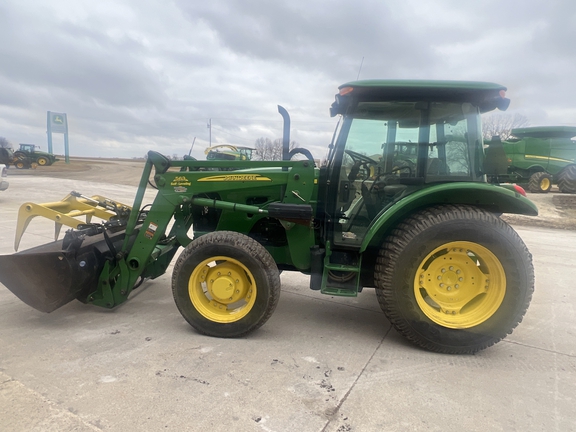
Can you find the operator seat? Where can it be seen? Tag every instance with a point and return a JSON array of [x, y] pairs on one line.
[[495, 159], [435, 167]]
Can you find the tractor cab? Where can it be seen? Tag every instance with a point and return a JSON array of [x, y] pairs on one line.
[[396, 138], [28, 147]]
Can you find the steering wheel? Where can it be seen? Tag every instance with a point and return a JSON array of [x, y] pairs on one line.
[[359, 161], [357, 157]]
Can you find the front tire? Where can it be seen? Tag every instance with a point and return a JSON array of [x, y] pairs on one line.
[[454, 279], [42, 161], [225, 284], [540, 182]]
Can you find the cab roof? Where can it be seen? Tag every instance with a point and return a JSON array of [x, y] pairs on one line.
[[425, 88], [486, 95]]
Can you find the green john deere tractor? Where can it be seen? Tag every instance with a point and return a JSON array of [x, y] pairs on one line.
[[540, 157], [425, 233], [39, 157]]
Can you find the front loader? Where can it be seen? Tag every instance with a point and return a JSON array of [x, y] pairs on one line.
[[402, 206]]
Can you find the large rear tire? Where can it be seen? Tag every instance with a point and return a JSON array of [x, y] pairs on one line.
[[225, 284], [567, 179], [454, 279], [540, 182]]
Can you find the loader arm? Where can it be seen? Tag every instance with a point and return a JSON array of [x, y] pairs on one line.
[[105, 261], [152, 249]]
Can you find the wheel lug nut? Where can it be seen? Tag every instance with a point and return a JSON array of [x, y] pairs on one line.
[[441, 285], [443, 270], [460, 279], [449, 288], [439, 277], [458, 272], [456, 286], [451, 268]]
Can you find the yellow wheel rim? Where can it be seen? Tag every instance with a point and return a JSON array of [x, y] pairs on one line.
[[460, 285], [545, 183], [222, 289], [42, 161]]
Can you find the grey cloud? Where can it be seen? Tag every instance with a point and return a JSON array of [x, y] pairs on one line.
[[327, 36], [151, 74]]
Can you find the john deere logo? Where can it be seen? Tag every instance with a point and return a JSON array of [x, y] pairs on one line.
[[58, 119]]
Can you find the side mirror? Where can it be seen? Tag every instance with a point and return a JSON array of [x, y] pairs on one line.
[[503, 104]]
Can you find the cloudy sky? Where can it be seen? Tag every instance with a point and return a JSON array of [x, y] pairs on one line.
[[134, 75]]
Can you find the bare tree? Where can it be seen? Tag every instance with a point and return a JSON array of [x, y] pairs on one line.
[[4, 143], [501, 125], [266, 149]]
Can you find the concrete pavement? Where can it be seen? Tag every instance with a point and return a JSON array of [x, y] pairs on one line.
[[319, 364]]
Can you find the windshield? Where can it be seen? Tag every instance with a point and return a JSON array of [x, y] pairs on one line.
[[390, 149], [388, 132]]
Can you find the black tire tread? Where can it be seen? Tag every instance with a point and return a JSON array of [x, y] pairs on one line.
[[567, 180], [253, 248], [535, 181], [402, 235]]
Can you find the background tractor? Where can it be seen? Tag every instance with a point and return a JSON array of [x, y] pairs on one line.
[[540, 157], [35, 156], [20, 161], [416, 221]]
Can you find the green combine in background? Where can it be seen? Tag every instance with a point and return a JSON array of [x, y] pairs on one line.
[[540, 157], [228, 152]]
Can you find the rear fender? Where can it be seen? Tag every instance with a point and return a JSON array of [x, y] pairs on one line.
[[491, 197]]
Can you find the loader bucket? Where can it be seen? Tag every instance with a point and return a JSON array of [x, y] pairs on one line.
[[49, 276]]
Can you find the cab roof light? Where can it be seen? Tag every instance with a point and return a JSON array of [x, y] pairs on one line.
[[345, 90]]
